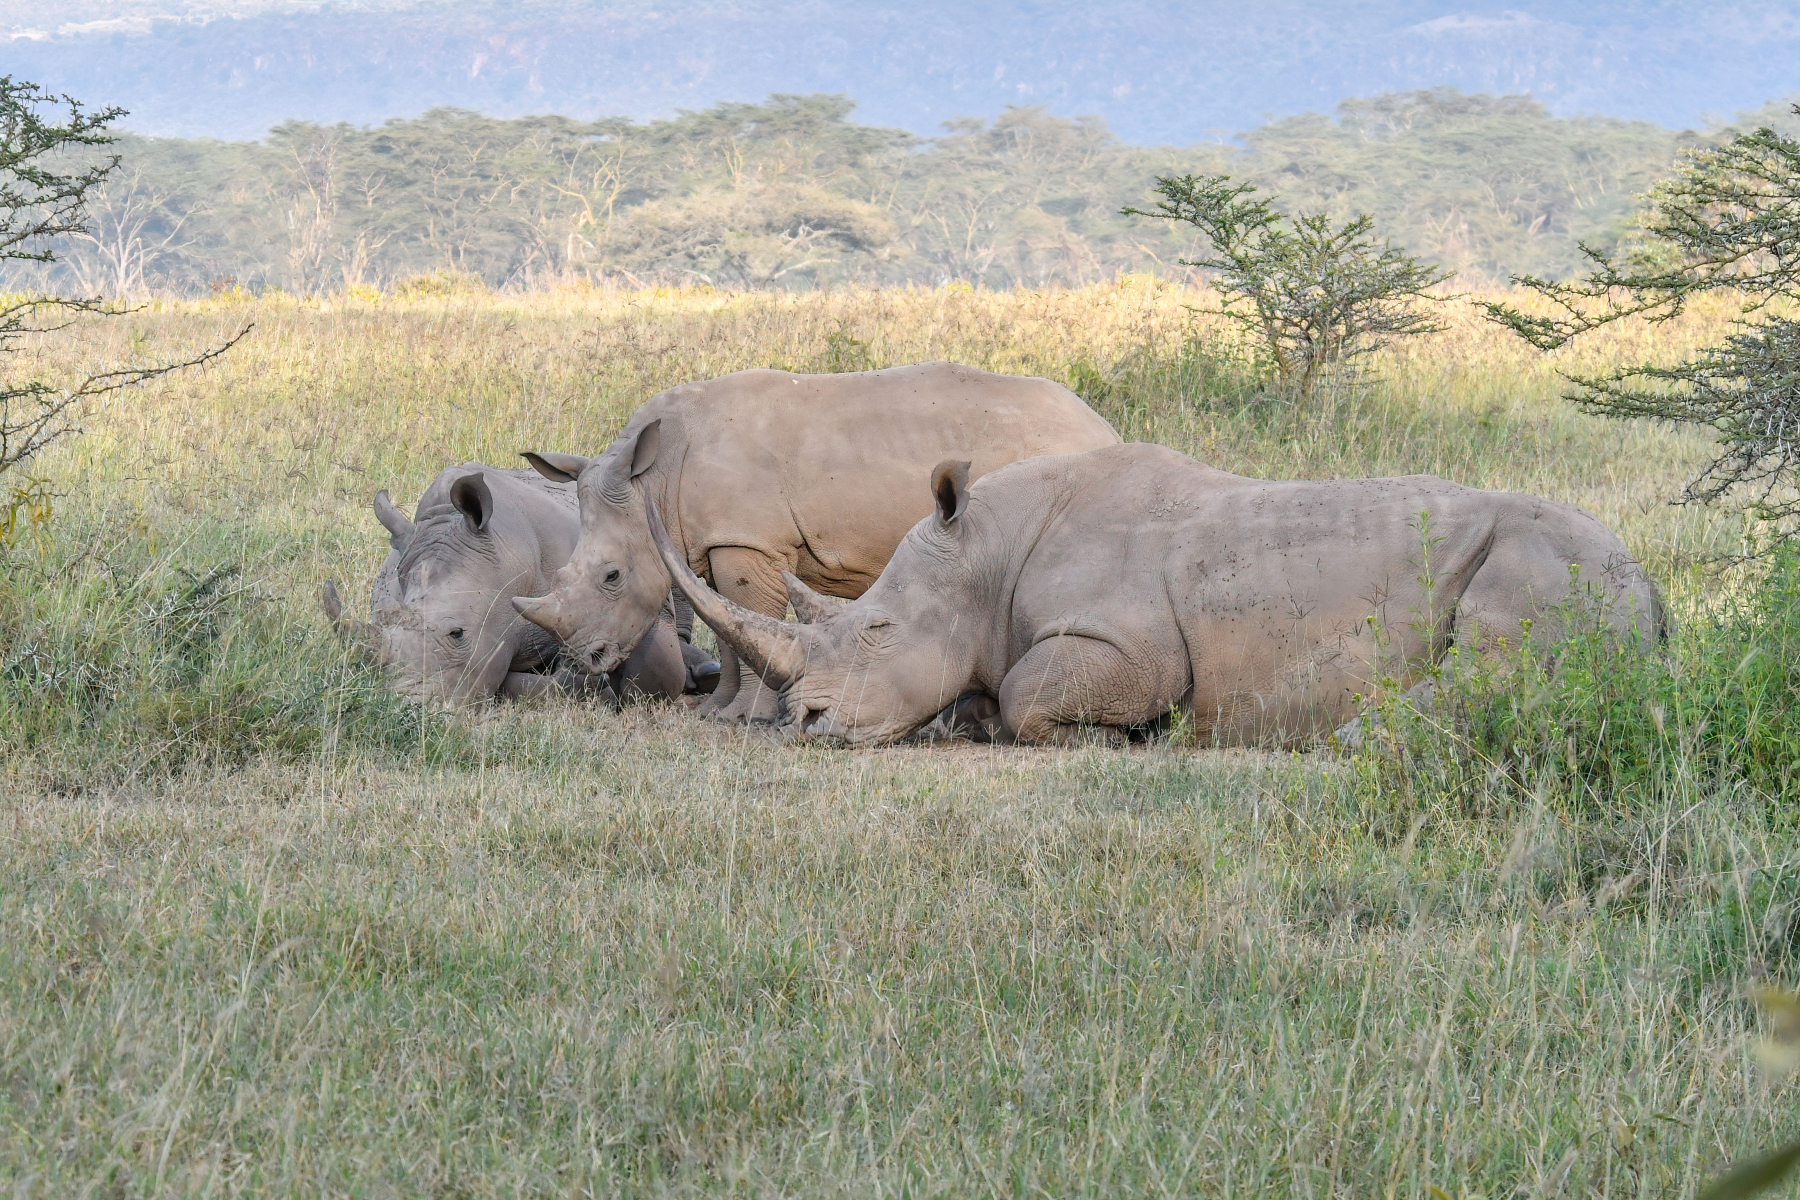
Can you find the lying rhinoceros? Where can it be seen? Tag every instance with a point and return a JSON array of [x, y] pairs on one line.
[[1107, 588], [443, 626], [763, 471]]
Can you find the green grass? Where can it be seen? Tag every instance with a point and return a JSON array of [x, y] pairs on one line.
[[270, 932], [626, 957]]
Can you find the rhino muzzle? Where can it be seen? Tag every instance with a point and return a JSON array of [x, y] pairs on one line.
[[602, 659], [819, 723]]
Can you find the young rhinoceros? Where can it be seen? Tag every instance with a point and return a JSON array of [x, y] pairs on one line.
[[765, 471], [1107, 588], [444, 627]]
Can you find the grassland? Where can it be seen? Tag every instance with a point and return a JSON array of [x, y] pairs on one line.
[[269, 932]]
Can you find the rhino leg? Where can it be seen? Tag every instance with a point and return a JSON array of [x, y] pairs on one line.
[[752, 579], [681, 613], [1069, 689], [974, 716], [702, 671], [526, 685]]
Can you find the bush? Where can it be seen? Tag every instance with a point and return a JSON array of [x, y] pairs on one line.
[[1727, 220], [1603, 731], [1315, 294]]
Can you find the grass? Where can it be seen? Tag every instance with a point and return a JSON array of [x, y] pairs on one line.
[[271, 933]]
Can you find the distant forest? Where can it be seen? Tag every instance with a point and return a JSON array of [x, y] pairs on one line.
[[793, 194]]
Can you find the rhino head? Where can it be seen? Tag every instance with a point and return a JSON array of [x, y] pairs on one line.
[[442, 628], [605, 598], [878, 668]]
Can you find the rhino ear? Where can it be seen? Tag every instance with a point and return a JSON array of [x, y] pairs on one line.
[[472, 499], [557, 468], [398, 525], [950, 489], [643, 453]]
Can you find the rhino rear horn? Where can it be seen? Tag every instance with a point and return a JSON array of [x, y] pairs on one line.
[[774, 649], [397, 523], [809, 606], [557, 468]]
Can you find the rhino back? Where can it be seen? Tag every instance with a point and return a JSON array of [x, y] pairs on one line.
[[1264, 588], [828, 472]]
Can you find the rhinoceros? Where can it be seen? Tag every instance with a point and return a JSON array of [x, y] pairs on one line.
[[764, 471], [1107, 588], [443, 626]]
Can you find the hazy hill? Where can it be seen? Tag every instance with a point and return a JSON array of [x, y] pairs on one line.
[[1159, 71], [792, 193]]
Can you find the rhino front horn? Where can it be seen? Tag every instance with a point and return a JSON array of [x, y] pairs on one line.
[[773, 649], [357, 631], [539, 610]]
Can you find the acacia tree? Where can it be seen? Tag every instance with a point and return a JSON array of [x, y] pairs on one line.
[[1315, 294], [1728, 219], [43, 197]]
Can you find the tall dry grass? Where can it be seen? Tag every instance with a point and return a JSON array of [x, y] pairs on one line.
[[270, 933]]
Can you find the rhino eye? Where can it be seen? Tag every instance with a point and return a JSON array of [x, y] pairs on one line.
[[612, 576], [456, 635]]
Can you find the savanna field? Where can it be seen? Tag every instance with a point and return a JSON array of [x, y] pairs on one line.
[[270, 931]]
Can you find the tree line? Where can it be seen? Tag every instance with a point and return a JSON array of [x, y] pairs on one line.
[[792, 193]]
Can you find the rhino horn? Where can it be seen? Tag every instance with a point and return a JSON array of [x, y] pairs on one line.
[[540, 610], [358, 631], [774, 649], [397, 523], [809, 606]]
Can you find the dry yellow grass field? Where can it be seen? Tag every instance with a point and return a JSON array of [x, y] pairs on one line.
[[269, 932]]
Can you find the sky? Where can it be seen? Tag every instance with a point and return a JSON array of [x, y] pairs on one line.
[[1158, 71]]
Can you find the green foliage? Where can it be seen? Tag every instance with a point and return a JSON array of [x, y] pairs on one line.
[[1605, 728], [124, 663], [39, 197], [1727, 219], [25, 511], [1203, 373], [1318, 295], [45, 189], [42, 197]]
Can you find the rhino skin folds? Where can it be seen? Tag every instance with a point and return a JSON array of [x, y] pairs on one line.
[[1104, 589]]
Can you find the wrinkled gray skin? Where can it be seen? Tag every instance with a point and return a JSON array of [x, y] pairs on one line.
[[1100, 591], [444, 627], [762, 472]]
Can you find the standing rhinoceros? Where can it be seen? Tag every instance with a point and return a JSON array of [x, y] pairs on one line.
[[444, 627], [1107, 588], [764, 471]]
